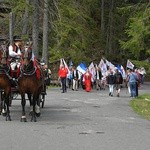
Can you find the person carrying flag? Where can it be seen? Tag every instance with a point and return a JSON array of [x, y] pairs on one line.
[[63, 71]]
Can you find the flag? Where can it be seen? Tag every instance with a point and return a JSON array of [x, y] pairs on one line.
[[103, 67], [130, 65], [61, 63], [92, 69], [108, 63], [121, 70], [70, 64], [111, 66], [66, 66], [101, 63], [81, 68]]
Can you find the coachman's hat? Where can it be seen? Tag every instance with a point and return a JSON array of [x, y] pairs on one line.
[[17, 38]]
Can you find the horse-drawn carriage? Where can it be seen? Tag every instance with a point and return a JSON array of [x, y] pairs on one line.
[[28, 79]]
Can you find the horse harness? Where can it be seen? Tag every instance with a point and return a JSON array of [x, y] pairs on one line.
[[28, 69]]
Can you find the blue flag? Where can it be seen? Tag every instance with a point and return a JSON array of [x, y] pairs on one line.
[[82, 68]]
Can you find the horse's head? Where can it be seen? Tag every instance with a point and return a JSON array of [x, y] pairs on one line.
[[27, 55]]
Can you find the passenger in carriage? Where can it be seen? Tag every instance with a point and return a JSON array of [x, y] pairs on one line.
[[15, 55], [47, 72]]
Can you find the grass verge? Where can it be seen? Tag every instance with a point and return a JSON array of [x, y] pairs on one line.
[[141, 105]]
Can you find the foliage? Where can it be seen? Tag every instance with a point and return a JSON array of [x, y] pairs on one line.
[[138, 32], [18, 8], [76, 32], [141, 105], [75, 28]]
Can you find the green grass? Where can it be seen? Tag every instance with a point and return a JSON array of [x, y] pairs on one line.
[[53, 86], [141, 105]]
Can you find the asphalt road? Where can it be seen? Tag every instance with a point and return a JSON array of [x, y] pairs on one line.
[[78, 120]]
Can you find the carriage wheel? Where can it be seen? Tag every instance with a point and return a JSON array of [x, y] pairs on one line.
[[1, 101], [43, 100], [10, 99]]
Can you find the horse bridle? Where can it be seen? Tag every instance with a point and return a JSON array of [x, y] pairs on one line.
[[4, 56]]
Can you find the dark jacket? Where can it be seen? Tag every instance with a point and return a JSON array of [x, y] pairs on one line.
[[118, 78], [75, 75], [100, 75], [111, 79]]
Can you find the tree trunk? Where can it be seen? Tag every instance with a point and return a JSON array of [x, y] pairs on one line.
[[25, 19], [102, 17], [35, 31], [11, 24], [45, 32], [110, 27]]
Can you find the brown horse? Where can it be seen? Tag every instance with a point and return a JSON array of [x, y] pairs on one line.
[[5, 84], [29, 84]]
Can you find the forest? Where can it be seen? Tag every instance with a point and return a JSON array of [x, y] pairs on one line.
[[81, 30]]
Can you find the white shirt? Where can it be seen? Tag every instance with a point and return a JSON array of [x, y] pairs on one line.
[[13, 53], [97, 75]]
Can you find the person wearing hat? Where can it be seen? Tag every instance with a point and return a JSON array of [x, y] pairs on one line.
[[15, 52]]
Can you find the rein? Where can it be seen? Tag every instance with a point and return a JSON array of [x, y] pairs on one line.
[[4, 70], [29, 73], [28, 69]]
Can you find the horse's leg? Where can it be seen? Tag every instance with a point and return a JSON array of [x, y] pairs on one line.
[[1, 102], [23, 103], [37, 106], [4, 112], [8, 118], [31, 103], [33, 116]]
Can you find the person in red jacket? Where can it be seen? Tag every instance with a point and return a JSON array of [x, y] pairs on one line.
[[63, 71]]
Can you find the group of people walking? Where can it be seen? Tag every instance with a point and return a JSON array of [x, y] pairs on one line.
[[113, 79], [74, 79]]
